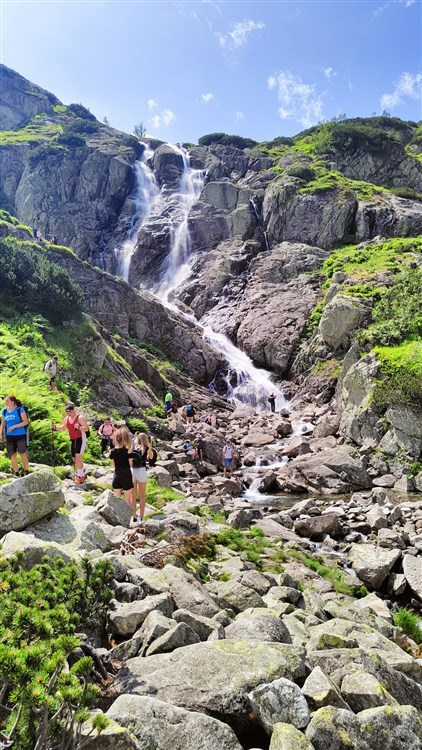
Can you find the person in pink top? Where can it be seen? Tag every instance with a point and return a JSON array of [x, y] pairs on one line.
[[77, 426]]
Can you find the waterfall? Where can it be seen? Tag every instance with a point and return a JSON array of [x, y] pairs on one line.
[[252, 385], [246, 384], [145, 194], [176, 268], [258, 217]]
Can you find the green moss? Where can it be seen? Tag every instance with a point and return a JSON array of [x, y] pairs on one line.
[[364, 264], [335, 180], [400, 377], [32, 133], [331, 573]]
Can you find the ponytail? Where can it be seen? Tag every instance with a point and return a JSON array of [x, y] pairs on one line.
[[15, 400]]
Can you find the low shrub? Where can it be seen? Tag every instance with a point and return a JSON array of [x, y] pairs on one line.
[[226, 140], [37, 284], [43, 701]]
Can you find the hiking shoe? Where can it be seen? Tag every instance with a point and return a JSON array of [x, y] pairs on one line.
[[134, 519], [79, 480], [139, 518]]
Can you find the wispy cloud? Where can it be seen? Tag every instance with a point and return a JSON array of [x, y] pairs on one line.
[[165, 118], [237, 37], [408, 85], [380, 9], [152, 104], [206, 98], [329, 73], [240, 116], [389, 3], [299, 101]]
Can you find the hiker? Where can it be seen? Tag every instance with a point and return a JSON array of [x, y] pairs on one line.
[[52, 368], [172, 414], [106, 431], [271, 399], [190, 450], [199, 445], [122, 477], [77, 427], [142, 452], [167, 404], [227, 455], [13, 427], [189, 413]]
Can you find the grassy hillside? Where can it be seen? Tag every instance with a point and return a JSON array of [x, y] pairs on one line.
[[389, 276]]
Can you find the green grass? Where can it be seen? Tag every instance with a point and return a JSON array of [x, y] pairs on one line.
[[364, 264], [30, 134], [331, 573], [411, 624], [26, 343], [159, 496], [400, 377], [335, 180]]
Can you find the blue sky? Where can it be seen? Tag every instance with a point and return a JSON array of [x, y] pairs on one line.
[[257, 69]]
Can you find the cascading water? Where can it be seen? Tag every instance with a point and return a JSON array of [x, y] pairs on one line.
[[246, 384], [177, 268], [258, 217], [145, 194], [252, 386]]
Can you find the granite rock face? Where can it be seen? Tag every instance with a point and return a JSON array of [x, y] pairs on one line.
[[25, 501]]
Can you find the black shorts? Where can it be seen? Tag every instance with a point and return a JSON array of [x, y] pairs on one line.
[[16, 444], [78, 445], [122, 479]]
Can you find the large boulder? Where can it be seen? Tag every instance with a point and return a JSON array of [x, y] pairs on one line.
[[185, 590], [372, 564], [287, 737], [327, 472], [214, 678], [114, 510], [126, 618], [280, 700], [171, 727], [24, 501], [340, 319], [412, 569]]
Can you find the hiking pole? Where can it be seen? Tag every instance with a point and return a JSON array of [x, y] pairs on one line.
[[53, 446]]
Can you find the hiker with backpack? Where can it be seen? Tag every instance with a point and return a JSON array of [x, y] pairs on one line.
[[106, 431], [14, 427], [78, 430], [52, 367], [189, 413], [141, 453]]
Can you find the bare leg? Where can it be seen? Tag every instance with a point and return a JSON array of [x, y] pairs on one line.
[[129, 501], [79, 464], [142, 494], [117, 492], [25, 460], [14, 462]]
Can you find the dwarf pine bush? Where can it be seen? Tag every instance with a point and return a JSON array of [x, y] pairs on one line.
[[43, 702]]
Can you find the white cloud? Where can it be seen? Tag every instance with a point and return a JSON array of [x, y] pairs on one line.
[[240, 116], [165, 118], [299, 100], [381, 8], [237, 37], [329, 73], [152, 104], [407, 85], [408, 3], [206, 98]]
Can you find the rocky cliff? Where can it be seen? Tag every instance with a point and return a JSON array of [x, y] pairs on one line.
[[287, 242]]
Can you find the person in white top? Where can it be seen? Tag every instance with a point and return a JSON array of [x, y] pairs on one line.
[[52, 368], [227, 457]]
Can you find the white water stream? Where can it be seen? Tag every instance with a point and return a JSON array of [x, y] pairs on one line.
[[145, 194], [252, 385], [246, 384]]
